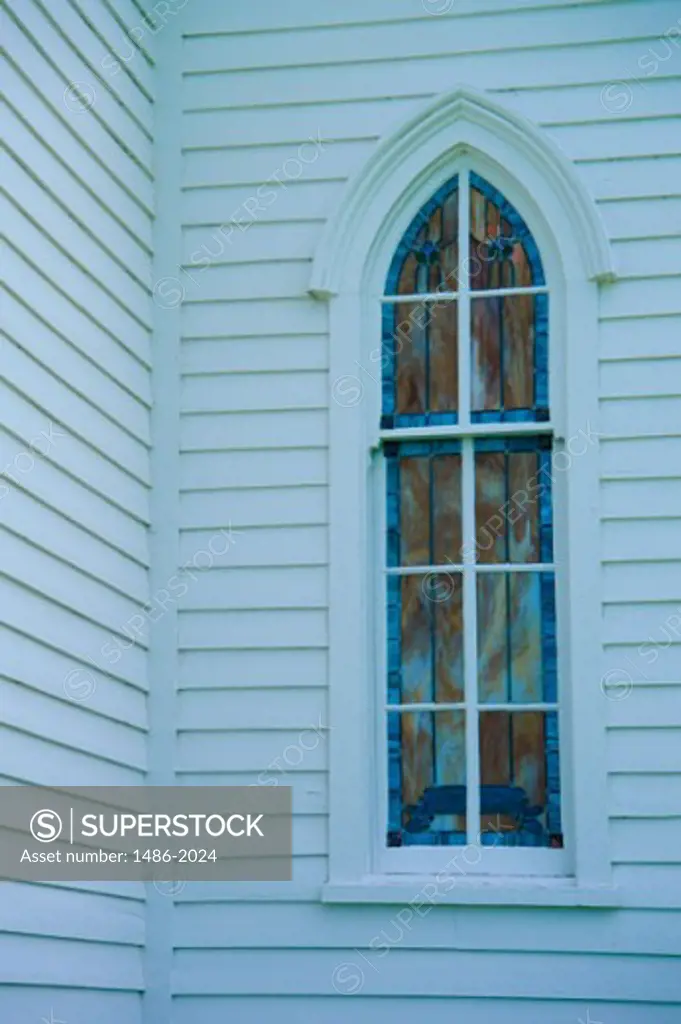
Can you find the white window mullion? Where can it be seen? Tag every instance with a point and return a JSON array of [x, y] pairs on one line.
[[464, 303], [470, 643], [451, 296]]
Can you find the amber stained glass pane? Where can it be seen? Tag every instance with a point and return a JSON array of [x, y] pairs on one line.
[[424, 495], [430, 667], [512, 501], [503, 354], [520, 778], [516, 637], [430, 777]]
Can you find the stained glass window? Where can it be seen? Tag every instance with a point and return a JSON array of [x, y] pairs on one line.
[[472, 703]]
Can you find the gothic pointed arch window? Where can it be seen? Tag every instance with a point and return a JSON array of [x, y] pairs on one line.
[[472, 694], [466, 711]]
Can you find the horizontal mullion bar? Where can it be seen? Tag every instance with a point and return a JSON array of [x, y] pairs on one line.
[[459, 567], [462, 706], [529, 706], [474, 293], [452, 431]]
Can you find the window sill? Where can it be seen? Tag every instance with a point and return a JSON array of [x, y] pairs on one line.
[[533, 892]]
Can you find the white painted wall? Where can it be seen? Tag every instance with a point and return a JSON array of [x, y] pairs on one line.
[[259, 81], [76, 206]]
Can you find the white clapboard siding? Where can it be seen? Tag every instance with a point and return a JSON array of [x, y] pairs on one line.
[[308, 789], [248, 319], [208, 128], [285, 627], [649, 456], [255, 391], [257, 240], [514, 975], [261, 587], [85, 378], [637, 497], [264, 546], [262, 926], [658, 217], [71, 723], [656, 660], [650, 704], [48, 670], [647, 258], [644, 337], [77, 211], [260, 84], [212, 470], [252, 751], [640, 378], [289, 506], [245, 355], [67, 494], [253, 668], [297, 708], [362, 79], [329, 1007], [423, 37], [639, 795], [49, 114]]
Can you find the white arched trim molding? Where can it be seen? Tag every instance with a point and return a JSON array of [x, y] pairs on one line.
[[401, 172], [462, 129]]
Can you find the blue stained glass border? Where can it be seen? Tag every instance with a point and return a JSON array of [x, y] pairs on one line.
[[553, 795], [549, 653]]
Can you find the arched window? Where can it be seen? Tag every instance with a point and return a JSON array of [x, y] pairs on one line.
[[472, 689], [466, 718]]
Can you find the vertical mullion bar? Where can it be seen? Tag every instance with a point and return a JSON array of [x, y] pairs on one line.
[[470, 620], [470, 642], [464, 301]]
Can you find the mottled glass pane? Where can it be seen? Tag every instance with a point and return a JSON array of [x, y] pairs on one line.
[[416, 640], [427, 778], [490, 498], [513, 514], [425, 638], [520, 779], [525, 669], [508, 357], [415, 510], [516, 638], [492, 637], [448, 638], [411, 334], [446, 489], [420, 364], [524, 472], [426, 259], [423, 481], [443, 359], [486, 354], [503, 253]]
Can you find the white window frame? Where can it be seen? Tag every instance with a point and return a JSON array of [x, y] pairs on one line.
[[464, 128]]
